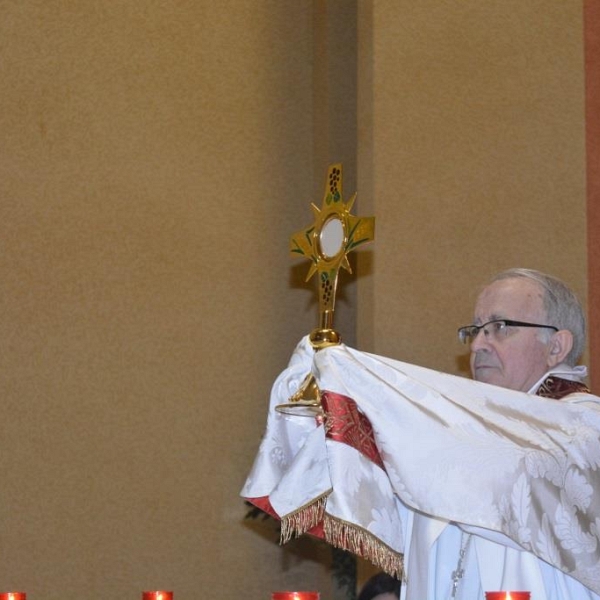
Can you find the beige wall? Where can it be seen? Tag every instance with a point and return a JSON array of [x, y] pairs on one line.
[[474, 160], [154, 160]]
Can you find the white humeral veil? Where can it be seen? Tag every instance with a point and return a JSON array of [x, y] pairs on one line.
[[515, 475]]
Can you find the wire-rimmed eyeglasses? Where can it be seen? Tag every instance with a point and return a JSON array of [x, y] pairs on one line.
[[494, 329]]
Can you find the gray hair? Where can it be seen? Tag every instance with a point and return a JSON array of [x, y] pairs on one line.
[[562, 306]]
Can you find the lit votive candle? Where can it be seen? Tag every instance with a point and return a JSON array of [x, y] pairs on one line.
[[295, 596], [158, 595], [507, 596], [13, 596]]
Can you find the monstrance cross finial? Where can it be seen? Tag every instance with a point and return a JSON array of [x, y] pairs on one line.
[[327, 242]]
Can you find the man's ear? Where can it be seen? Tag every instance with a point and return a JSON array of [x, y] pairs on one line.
[[560, 345]]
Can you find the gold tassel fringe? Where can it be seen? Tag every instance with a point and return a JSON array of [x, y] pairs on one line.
[[305, 518], [342, 534], [362, 543]]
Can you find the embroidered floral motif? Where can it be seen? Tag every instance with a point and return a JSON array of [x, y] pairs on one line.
[[557, 388], [344, 423]]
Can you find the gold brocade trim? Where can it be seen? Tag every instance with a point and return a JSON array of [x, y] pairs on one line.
[[347, 536], [303, 519]]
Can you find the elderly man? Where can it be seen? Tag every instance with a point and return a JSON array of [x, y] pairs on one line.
[[462, 486], [527, 335]]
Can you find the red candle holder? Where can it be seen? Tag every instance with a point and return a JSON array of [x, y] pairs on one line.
[[13, 596], [158, 595], [507, 595], [295, 596]]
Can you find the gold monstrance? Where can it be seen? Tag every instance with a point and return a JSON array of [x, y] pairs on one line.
[[327, 243]]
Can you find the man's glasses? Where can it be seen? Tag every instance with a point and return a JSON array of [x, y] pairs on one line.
[[495, 329]]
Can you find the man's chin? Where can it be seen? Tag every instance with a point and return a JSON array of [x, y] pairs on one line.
[[487, 375]]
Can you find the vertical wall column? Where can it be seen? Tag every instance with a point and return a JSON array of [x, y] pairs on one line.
[[592, 97]]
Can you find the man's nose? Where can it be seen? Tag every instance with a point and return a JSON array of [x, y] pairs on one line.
[[479, 341]]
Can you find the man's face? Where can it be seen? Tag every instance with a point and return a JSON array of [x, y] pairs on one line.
[[518, 360]]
